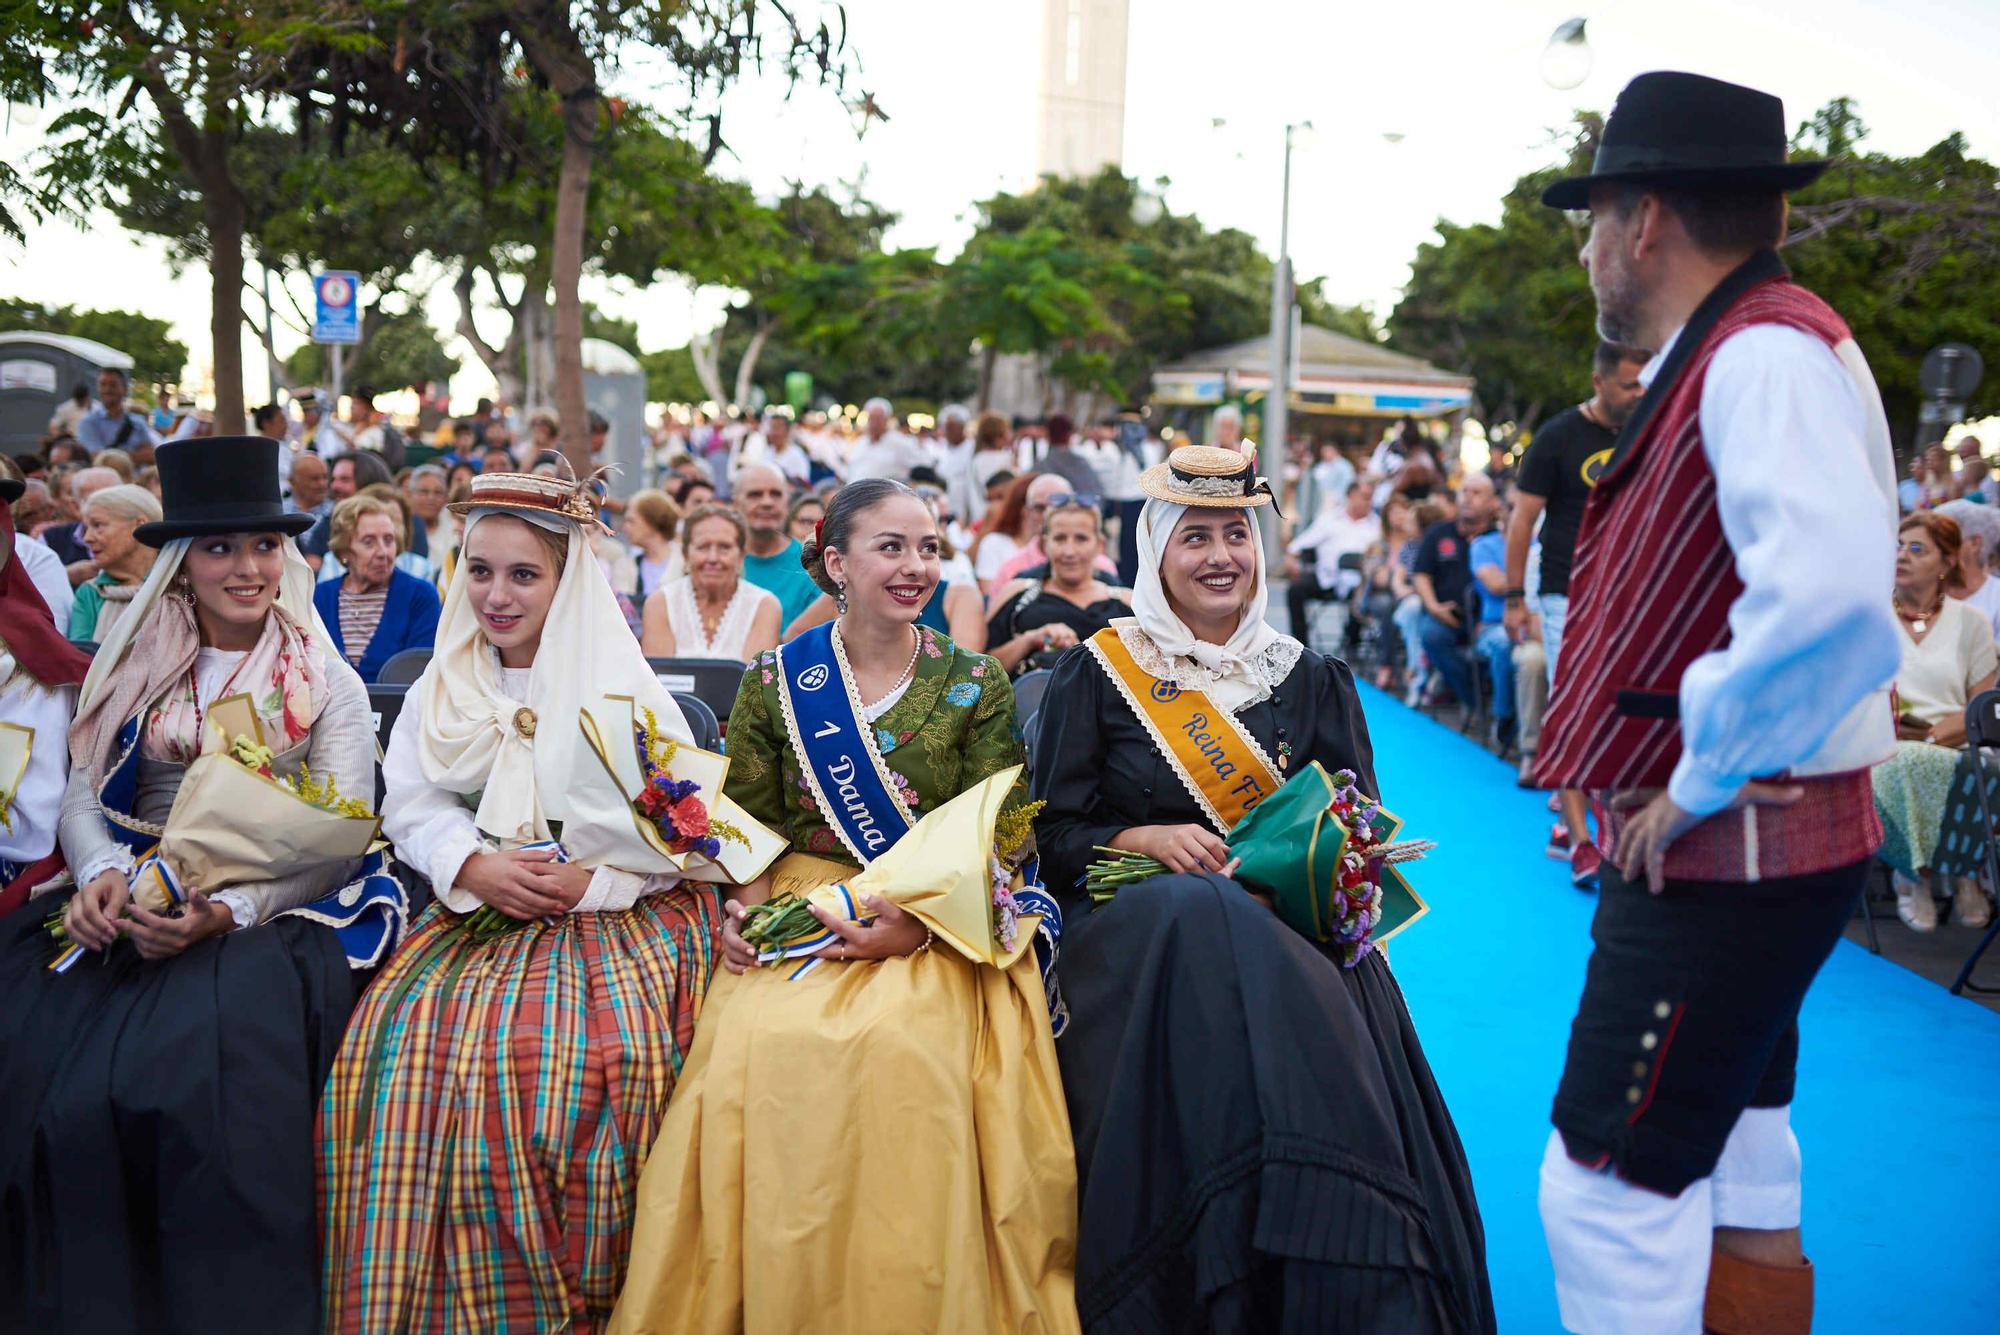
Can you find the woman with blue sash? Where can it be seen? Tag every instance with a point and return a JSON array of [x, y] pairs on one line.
[[156, 1153], [1260, 1144], [878, 1142]]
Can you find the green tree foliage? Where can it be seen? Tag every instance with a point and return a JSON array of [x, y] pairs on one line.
[[402, 352], [157, 357], [1508, 302], [1907, 249]]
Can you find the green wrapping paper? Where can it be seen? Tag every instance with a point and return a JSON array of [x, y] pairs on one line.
[[1292, 845]]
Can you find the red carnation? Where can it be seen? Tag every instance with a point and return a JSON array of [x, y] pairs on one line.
[[653, 801], [690, 818]]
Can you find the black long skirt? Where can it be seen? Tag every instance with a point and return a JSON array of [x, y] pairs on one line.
[[156, 1130], [1260, 1143]]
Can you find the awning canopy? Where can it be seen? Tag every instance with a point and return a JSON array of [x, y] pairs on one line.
[[1334, 373]]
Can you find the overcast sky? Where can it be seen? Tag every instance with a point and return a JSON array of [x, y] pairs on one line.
[[1457, 79]]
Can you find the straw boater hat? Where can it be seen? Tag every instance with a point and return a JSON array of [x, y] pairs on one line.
[[1206, 475], [530, 493]]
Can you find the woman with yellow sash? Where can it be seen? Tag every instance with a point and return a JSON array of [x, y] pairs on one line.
[[875, 1143], [1260, 1144]]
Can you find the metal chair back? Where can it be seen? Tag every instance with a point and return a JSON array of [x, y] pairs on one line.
[[404, 667], [714, 680], [701, 719], [1982, 732], [385, 700], [1029, 688]]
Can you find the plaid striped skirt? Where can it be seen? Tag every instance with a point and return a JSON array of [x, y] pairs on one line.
[[483, 1130]]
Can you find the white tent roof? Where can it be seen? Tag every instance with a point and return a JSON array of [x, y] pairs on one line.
[[88, 349]]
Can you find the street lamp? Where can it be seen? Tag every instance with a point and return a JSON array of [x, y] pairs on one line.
[[1277, 408], [1567, 59]]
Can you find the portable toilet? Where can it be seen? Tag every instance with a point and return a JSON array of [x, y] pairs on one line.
[[37, 372]]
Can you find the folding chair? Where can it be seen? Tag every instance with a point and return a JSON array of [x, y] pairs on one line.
[[1029, 688], [385, 700], [1480, 707], [714, 680], [707, 729], [404, 667], [1982, 730]]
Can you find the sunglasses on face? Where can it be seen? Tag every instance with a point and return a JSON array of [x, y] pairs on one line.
[[1065, 501]]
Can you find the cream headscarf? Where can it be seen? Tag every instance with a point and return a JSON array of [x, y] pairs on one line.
[[1234, 675], [161, 643], [475, 739]]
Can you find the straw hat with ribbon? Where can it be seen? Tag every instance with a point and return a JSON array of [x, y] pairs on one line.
[[1207, 476]]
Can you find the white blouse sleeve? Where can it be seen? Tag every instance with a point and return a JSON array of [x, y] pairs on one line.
[[431, 827], [36, 803]]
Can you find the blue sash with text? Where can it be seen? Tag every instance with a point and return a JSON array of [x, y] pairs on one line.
[[842, 768]]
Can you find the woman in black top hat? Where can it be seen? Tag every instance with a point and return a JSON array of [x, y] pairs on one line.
[[156, 1147]]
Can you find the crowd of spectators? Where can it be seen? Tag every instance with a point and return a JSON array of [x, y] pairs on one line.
[[1454, 582]]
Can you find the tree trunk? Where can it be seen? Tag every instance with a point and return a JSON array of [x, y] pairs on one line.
[[550, 41], [504, 362], [988, 356], [704, 352], [566, 263], [747, 368], [222, 209]]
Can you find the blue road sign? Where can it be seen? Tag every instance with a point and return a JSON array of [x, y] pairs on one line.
[[337, 307]]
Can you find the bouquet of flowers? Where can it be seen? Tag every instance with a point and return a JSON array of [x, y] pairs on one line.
[[656, 805], [1326, 854], [236, 820], [957, 869]]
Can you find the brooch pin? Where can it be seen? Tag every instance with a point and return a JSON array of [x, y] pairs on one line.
[[1284, 755], [524, 722]]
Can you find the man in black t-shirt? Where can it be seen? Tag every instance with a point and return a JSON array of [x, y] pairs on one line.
[[1442, 573], [1557, 473]]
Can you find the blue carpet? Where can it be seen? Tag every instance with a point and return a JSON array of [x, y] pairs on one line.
[[1898, 1108]]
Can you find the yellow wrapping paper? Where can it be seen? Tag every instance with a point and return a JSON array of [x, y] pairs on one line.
[[942, 872]]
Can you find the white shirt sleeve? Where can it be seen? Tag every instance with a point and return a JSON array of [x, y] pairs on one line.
[[1318, 532], [431, 827], [1787, 435], [47, 573], [35, 805]]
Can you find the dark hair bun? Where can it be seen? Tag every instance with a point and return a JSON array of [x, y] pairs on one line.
[[811, 559]]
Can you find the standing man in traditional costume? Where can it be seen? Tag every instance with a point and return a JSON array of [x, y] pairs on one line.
[[1722, 698]]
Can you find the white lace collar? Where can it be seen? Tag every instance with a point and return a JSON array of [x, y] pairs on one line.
[[1272, 664]]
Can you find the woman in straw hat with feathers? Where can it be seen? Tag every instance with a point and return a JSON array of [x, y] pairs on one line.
[[1260, 1143], [500, 1086]]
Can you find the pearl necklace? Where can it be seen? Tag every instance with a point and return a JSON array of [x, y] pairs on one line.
[[916, 648]]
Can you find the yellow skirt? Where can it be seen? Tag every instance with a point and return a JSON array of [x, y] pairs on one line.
[[879, 1146]]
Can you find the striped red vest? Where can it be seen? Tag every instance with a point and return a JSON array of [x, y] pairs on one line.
[[1653, 583]]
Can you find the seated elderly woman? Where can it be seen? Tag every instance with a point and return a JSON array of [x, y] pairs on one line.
[[1929, 810], [110, 518], [711, 611], [374, 610]]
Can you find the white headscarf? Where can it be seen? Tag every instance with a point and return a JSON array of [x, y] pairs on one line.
[[1235, 675], [109, 698], [471, 739]]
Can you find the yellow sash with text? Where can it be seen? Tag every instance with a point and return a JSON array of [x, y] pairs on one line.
[[1221, 764]]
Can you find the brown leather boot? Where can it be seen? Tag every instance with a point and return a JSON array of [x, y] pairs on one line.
[[1747, 1298]]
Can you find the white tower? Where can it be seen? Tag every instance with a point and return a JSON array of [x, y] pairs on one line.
[[1083, 87]]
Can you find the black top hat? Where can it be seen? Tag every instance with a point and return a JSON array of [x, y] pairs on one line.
[[220, 484], [1669, 128], [11, 490]]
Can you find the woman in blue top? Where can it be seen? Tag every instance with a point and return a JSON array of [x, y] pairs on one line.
[[374, 610]]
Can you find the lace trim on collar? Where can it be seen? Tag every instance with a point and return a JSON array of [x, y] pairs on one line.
[[1272, 665]]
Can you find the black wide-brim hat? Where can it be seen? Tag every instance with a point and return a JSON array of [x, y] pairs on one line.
[[11, 490], [219, 484], [1676, 129]]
